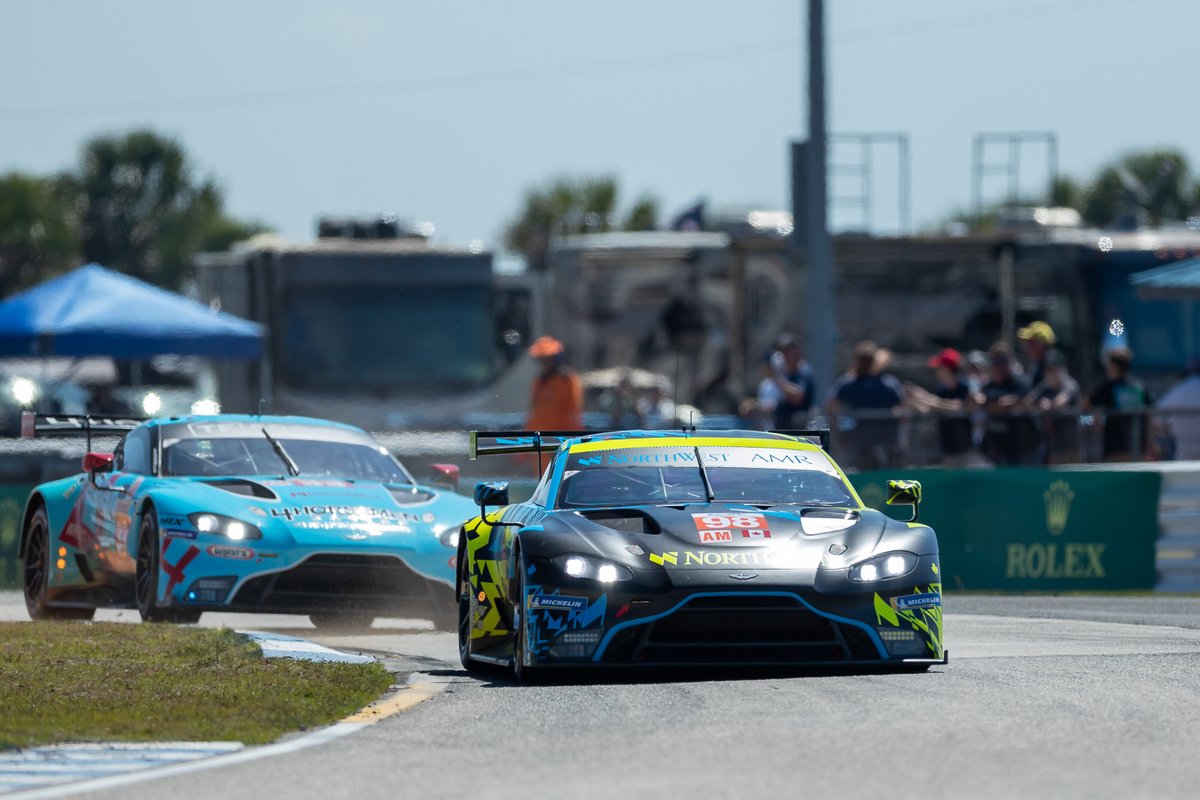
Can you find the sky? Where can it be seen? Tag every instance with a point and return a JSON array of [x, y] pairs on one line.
[[449, 112]]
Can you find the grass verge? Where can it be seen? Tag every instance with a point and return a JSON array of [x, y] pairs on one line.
[[63, 681]]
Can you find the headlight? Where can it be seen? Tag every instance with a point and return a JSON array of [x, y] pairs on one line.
[[884, 567], [233, 529], [593, 568], [24, 391]]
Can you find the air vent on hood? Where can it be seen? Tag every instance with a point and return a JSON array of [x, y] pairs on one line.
[[625, 520], [827, 521], [244, 487], [407, 497]]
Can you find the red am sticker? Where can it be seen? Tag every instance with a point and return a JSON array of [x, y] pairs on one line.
[[725, 527]]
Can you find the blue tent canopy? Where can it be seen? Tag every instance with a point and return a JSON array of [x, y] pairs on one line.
[[94, 311]]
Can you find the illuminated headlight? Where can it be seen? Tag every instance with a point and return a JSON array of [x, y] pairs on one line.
[[884, 567], [233, 529], [593, 568], [151, 404], [206, 407], [24, 391]]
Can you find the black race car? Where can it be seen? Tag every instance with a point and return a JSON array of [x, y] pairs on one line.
[[708, 547]]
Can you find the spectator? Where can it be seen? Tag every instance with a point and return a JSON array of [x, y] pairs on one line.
[[759, 411], [556, 396], [976, 370], [1038, 338], [1123, 400], [869, 394], [1184, 427], [794, 379], [1058, 399], [950, 400], [1010, 437]]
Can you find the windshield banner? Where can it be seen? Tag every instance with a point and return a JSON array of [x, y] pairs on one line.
[[736, 457]]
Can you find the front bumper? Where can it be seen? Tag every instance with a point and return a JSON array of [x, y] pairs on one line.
[[782, 621], [379, 584]]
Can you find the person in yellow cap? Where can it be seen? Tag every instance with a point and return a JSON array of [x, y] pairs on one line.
[[1038, 338], [556, 397]]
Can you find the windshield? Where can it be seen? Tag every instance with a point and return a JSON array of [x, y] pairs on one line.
[[255, 455], [387, 338], [669, 474]]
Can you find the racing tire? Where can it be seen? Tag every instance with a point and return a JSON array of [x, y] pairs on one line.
[[462, 588], [520, 612], [342, 621], [36, 569], [145, 584]]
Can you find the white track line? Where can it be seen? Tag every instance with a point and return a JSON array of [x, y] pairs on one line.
[[406, 698]]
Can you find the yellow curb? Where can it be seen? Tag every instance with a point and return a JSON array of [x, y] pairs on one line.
[[1176, 554], [404, 699]]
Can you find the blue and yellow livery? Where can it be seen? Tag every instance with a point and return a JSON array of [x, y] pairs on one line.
[[700, 547]]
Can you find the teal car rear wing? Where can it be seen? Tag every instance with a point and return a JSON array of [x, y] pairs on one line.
[[34, 424]]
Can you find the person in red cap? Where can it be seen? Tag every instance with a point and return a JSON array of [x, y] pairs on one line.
[[951, 401], [556, 397]]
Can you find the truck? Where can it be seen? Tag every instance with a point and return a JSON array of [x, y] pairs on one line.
[[385, 333]]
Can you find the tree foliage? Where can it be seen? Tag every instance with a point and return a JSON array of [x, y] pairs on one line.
[[565, 206], [38, 236], [134, 204]]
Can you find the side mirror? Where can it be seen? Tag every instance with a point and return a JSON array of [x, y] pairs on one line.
[[444, 475], [905, 493], [491, 493], [97, 462]]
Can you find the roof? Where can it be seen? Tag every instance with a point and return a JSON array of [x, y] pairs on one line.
[[94, 311], [643, 240], [265, 419], [1170, 280]]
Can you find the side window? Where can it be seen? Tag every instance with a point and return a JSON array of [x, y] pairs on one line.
[[541, 495], [134, 453]]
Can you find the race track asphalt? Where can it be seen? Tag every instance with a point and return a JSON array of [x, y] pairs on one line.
[[1057, 697]]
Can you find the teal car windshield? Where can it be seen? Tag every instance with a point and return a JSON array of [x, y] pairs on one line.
[[249, 455], [670, 474]]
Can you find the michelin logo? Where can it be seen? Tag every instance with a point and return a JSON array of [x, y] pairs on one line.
[[557, 602], [917, 601]]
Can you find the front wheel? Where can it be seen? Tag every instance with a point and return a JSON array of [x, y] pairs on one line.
[[38, 559], [520, 608], [146, 577], [462, 587]]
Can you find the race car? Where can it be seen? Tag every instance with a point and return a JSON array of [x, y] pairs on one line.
[[693, 547], [239, 513]]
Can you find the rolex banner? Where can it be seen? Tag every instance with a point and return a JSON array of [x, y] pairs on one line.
[[1023, 530], [12, 504]]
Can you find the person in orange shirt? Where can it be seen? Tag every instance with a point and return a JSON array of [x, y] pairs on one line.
[[556, 397]]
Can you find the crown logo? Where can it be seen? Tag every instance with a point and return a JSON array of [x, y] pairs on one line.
[[1058, 506]]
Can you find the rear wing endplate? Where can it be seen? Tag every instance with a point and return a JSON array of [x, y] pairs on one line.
[[34, 424], [496, 443], [820, 434]]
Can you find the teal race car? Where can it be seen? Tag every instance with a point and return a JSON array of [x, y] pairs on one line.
[[239, 513]]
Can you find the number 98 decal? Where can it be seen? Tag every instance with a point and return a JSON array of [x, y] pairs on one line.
[[731, 527]]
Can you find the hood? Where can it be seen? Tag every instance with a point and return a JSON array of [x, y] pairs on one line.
[[314, 509], [717, 536]]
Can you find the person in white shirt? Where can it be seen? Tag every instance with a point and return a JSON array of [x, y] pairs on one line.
[[1184, 397]]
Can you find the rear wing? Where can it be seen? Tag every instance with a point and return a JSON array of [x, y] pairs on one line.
[[34, 424], [496, 443], [820, 434]]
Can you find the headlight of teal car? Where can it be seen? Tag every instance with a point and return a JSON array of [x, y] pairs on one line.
[[228, 527], [883, 567]]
